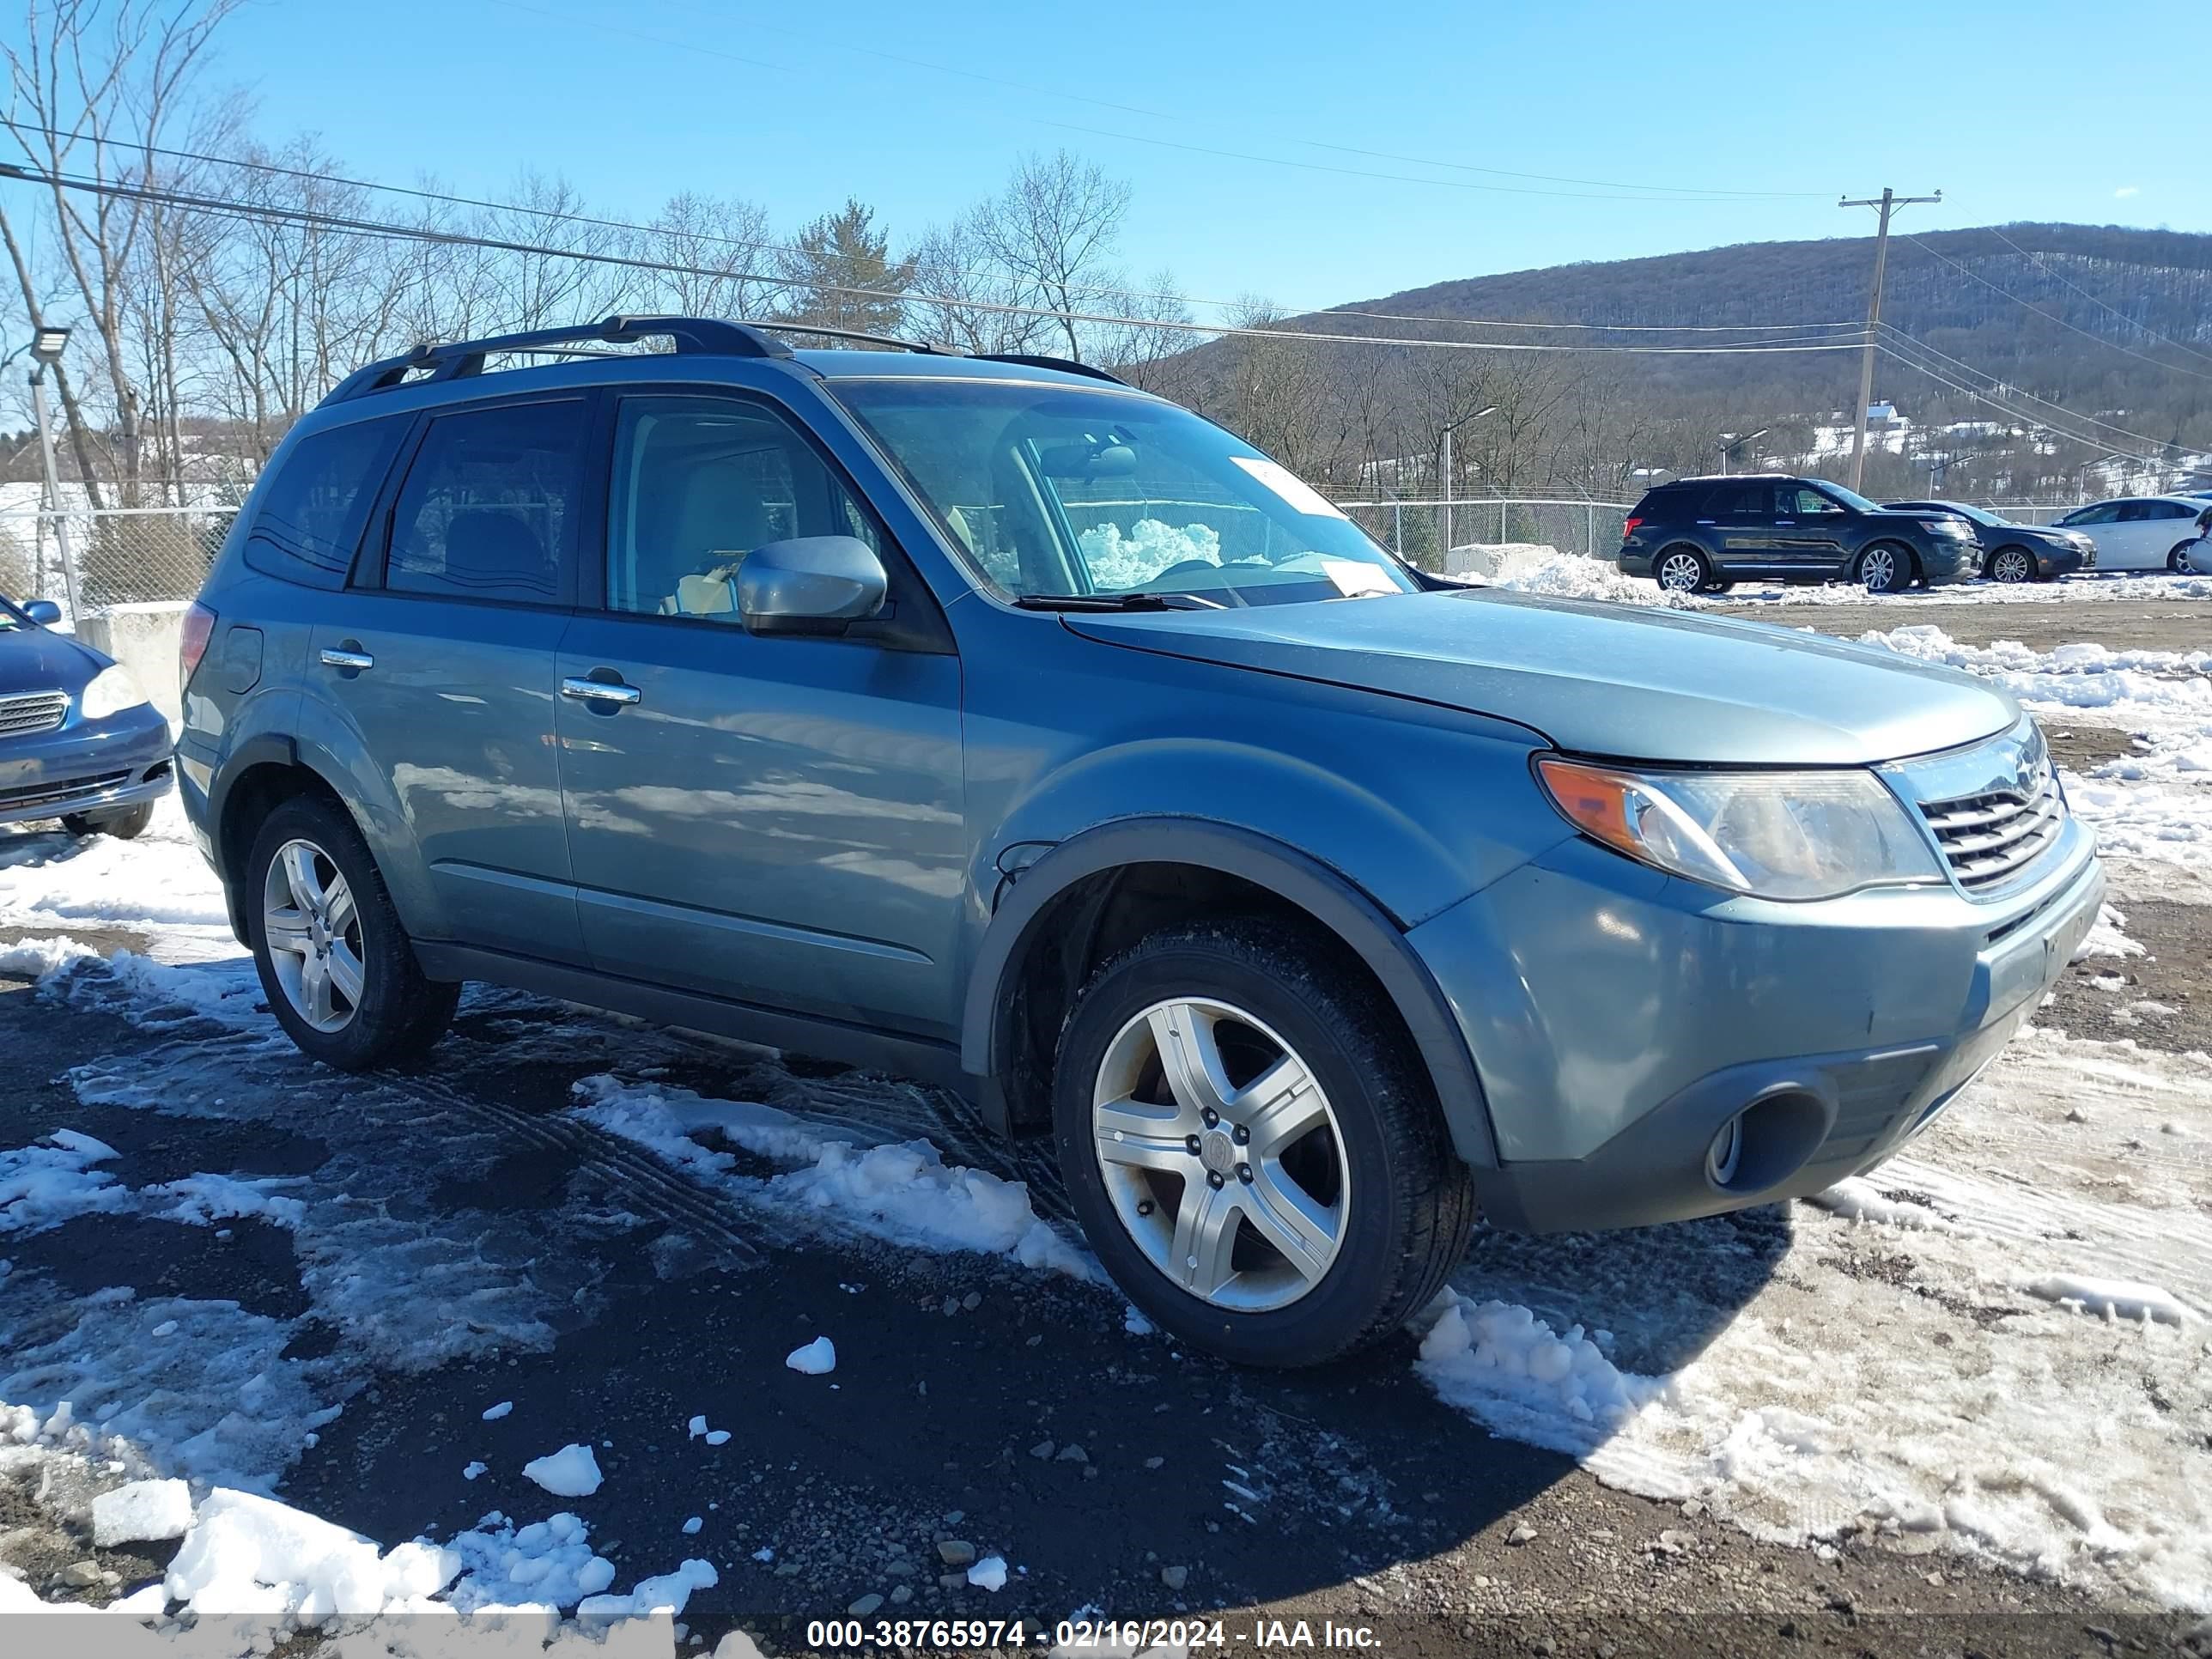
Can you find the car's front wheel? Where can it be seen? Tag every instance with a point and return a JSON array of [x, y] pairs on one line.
[[1883, 569], [1252, 1150], [2012, 564], [335, 964], [2177, 558]]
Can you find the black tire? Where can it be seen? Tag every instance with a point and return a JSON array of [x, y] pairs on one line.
[[127, 823], [1996, 569], [1901, 568], [1678, 550], [1412, 1206], [1717, 587], [401, 1011]]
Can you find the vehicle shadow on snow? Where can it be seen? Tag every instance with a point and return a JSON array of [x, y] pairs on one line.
[[977, 1404]]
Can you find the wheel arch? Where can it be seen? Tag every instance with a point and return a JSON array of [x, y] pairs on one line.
[[258, 776], [1048, 926]]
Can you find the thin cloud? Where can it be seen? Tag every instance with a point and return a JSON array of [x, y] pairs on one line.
[[2126, 190]]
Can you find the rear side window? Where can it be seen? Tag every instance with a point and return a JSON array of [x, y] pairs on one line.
[[489, 509], [1666, 503], [307, 514], [1739, 502]]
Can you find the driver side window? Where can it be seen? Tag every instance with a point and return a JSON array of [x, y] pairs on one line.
[[698, 483]]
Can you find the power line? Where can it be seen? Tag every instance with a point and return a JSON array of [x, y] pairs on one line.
[[2053, 317], [2036, 260], [2016, 392], [345, 224], [1062, 94], [565, 216], [1995, 399]]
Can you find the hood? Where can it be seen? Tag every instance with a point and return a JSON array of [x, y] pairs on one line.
[[1619, 680], [38, 660]]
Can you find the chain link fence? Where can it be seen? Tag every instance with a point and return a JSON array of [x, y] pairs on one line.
[[110, 558], [1445, 535]]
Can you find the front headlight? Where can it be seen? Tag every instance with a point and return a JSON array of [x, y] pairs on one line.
[[111, 691], [1955, 527], [1773, 835]]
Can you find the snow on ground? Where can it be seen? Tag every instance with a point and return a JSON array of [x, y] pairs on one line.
[[1994, 1344]]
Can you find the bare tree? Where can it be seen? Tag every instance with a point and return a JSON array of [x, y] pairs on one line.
[[94, 86], [1054, 230], [965, 298], [721, 245]]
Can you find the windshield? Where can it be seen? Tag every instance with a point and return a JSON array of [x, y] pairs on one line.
[[1979, 515], [1052, 491], [11, 618], [1850, 498]]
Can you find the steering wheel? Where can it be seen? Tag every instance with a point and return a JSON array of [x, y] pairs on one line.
[[1179, 568]]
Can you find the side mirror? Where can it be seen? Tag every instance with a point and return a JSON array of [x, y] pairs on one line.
[[45, 612], [810, 584]]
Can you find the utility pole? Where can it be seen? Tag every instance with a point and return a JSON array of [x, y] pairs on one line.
[[1888, 203]]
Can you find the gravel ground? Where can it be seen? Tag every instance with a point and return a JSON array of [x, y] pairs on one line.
[[2039, 624]]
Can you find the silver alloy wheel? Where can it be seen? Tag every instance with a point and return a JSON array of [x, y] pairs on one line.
[[1221, 1155], [1877, 570], [1681, 572], [313, 927], [2012, 566]]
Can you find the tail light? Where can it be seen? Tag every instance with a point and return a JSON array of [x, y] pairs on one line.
[[192, 639], [1628, 529]]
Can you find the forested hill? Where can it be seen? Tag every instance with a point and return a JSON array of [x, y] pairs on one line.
[[2103, 324], [1967, 294]]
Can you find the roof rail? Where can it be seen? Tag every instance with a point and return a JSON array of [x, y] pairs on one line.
[[457, 360], [927, 348], [1065, 365]]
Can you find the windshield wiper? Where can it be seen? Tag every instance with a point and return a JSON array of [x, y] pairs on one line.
[[1113, 602]]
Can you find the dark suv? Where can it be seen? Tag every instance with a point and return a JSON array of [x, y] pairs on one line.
[[989, 720], [1704, 535]]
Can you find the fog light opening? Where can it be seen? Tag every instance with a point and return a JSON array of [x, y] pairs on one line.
[[1725, 1155]]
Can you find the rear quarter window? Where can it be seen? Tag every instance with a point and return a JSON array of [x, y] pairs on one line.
[[308, 512], [1666, 501]]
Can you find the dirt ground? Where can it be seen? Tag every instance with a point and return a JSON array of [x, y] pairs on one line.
[[2041, 624]]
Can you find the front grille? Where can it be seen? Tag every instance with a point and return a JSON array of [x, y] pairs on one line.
[[32, 711], [1989, 837], [59, 793]]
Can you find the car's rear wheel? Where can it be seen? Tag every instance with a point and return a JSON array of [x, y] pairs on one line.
[[1885, 568], [1683, 570], [336, 966], [1251, 1148], [1717, 585], [2012, 564], [124, 823]]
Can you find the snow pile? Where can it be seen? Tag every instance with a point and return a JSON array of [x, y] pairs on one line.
[[572, 1471], [142, 1510], [1507, 1370], [667, 1594], [250, 1555], [2145, 821], [203, 1199], [1151, 547], [903, 1192], [549, 1562], [1546, 570], [35, 959], [816, 1358], [2130, 685], [1993, 1341], [45, 1184]]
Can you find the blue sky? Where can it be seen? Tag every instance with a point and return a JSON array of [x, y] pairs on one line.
[[2027, 110]]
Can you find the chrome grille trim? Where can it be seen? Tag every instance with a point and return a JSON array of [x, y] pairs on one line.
[[2014, 813], [32, 711]]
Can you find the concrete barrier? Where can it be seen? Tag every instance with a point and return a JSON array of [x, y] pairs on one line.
[[146, 640]]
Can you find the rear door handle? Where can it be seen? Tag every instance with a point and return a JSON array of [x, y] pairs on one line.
[[613, 693], [348, 656]]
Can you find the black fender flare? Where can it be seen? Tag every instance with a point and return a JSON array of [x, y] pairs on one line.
[[1320, 892]]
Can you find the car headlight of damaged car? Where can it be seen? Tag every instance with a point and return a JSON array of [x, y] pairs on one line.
[[1957, 528], [1772, 835], [111, 690]]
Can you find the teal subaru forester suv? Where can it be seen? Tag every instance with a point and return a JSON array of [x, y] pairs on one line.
[[987, 722]]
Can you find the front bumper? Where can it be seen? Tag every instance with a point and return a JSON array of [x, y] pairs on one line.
[[2052, 560], [1948, 559], [1620, 1019], [85, 766]]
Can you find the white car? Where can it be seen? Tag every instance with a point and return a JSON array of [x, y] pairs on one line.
[[2139, 533]]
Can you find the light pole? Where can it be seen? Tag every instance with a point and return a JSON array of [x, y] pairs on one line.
[[1734, 440], [46, 347], [1444, 438]]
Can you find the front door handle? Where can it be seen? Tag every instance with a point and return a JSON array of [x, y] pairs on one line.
[[350, 656], [612, 693]]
